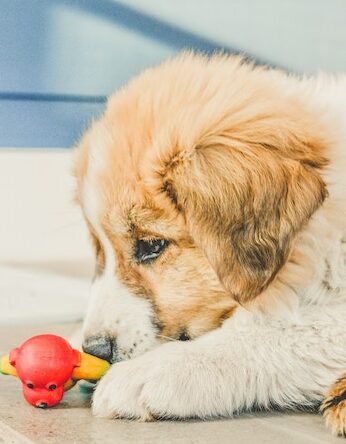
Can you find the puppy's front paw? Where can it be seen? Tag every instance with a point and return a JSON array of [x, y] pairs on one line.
[[117, 395], [334, 407], [164, 383]]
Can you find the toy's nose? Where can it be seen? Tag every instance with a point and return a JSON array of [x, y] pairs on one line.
[[103, 347], [42, 405]]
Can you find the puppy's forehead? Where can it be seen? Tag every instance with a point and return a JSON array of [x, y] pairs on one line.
[[113, 191], [159, 114]]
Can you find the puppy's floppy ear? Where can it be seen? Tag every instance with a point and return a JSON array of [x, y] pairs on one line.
[[245, 202]]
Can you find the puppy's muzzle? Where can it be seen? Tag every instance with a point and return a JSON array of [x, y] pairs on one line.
[[102, 346]]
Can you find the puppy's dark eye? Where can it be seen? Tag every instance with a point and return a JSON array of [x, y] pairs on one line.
[[30, 385], [52, 387], [148, 250], [184, 336]]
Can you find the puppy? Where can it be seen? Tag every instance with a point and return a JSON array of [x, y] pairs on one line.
[[215, 195]]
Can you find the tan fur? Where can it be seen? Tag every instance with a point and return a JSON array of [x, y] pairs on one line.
[[334, 407], [190, 309], [226, 167]]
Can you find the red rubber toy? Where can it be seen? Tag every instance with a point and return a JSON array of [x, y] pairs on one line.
[[47, 365]]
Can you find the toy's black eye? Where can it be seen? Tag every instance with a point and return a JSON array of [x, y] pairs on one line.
[[148, 250], [184, 337], [52, 387], [30, 385]]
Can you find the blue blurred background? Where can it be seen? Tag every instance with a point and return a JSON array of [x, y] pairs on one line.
[[59, 59]]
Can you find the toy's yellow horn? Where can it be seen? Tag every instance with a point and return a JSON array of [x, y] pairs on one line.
[[5, 367], [91, 368]]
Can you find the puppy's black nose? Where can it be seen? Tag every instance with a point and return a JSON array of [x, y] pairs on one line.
[[101, 346]]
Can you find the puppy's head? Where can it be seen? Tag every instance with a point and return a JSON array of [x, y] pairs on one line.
[[194, 185]]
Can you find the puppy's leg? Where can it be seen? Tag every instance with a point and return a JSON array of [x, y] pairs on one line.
[[334, 407], [247, 362]]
